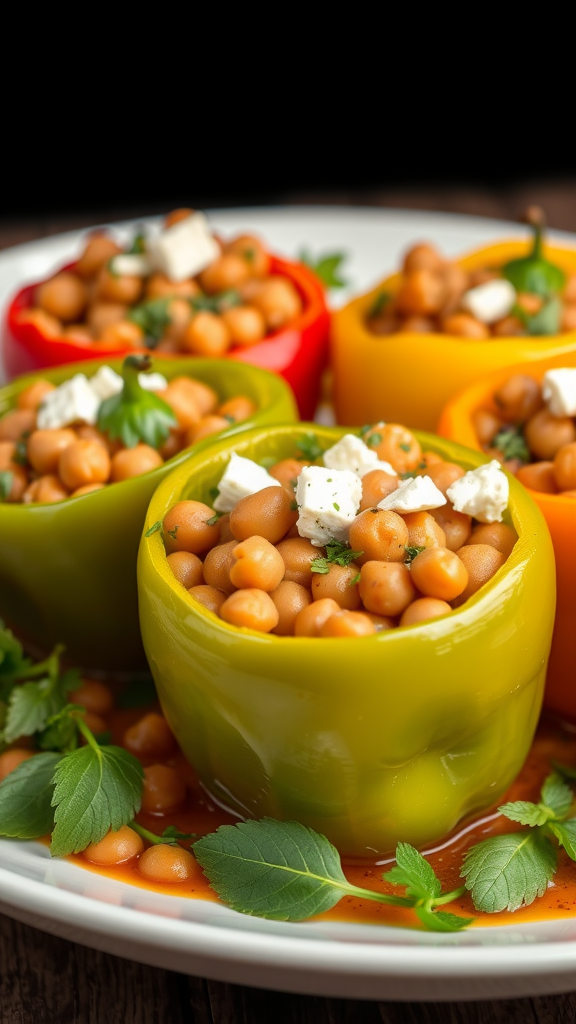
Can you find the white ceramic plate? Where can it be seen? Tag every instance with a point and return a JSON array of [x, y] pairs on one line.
[[197, 937]]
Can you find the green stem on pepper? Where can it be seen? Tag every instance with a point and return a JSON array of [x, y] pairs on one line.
[[534, 273], [136, 414]]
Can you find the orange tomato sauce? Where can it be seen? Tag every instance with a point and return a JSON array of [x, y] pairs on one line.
[[200, 815]]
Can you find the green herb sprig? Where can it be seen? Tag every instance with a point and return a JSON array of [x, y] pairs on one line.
[[337, 553], [152, 317], [135, 414], [309, 447], [327, 268], [216, 303], [511, 442]]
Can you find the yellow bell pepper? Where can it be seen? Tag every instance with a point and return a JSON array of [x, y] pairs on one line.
[[408, 378], [395, 736]]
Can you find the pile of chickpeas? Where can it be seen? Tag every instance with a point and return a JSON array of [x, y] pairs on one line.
[[50, 465], [164, 789], [551, 440], [90, 302], [428, 300], [253, 569]]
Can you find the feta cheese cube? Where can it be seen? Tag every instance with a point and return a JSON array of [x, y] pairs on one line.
[[106, 382], [414, 495], [152, 381], [559, 391], [482, 493], [184, 249], [73, 401], [351, 453], [328, 501], [131, 264], [241, 478], [490, 301]]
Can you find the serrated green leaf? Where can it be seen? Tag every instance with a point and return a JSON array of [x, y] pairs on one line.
[[30, 706], [510, 871], [441, 920], [557, 795], [274, 869], [26, 810], [326, 268], [12, 660], [97, 790], [135, 414], [525, 812], [61, 732], [413, 871], [565, 833]]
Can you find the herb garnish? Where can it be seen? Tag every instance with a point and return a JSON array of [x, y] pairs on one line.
[[380, 302], [412, 551], [135, 414], [152, 317], [309, 447], [216, 303], [373, 440], [510, 441], [6, 481], [138, 246], [154, 528], [326, 268], [337, 553]]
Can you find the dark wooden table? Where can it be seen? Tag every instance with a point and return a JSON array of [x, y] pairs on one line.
[[46, 980]]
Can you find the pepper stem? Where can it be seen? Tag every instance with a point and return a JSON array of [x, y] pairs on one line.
[[132, 367], [534, 216]]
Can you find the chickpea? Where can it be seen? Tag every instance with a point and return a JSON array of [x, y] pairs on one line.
[[416, 325], [380, 622], [455, 283], [98, 250], [423, 609], [224, 527], [180, 315], [175, 216], [78, 333], [386, 588], [444, 474], [509, 327], [481, 562], [94, 696], [256, 564], [17, 423], [87, 432], [150, 737], [83, 462], [246, 325], [130, 462], [238, 408], [163, 789], [519, 398], [298, 553], [202, 395], [48, 325], [183, 402], [310, 620], [188, 526], [498, 535], [217, 566], [159, 286], [287, 472], [565, 467], [456, 525], [376, 484], [486, 424], [111, 287], [424, 531], [386, 323], [346, 624], [10, 760], [204, 428], [253, 252], [568, 319], [173, 444], [529, 302], [545, 434], [278, 301], [45, 490], [167, 864], [398, 446], [429, 459], [32, 396], [464, 325], [289, 598], [207, 334], [570, 289], [538, 476], [226, 272], [380, 535], [251, 608], [422, 257], [115, 848], [481, 276], [44, 447], [338, 583], [210, 597], [19, 482], [63, 296], [187, 568], [101, 315], [268, 514], [123, 332], [422, 292], [87, 489], [438, 572]]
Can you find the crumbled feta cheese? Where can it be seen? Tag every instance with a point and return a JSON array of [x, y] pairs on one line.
[[184, 249], [559, 391], [328, 501], [241, 478], [351, 453], [414, 495], [106, 382], [482, 493], [73, 401], [131, 264], [152, 381], [490, 301]]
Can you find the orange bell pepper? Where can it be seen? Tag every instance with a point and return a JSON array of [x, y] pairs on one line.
[[560, 513], [407, 377]]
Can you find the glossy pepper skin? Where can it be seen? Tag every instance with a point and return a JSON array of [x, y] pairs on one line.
[[370, 741], [560, 514], [408, 378], [298, 352], [68, 570]]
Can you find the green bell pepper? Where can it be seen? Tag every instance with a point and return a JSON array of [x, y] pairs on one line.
[[392, 737], [68, 570]]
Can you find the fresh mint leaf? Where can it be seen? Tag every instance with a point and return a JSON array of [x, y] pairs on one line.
[[152, 317], [30, 706], [509, 871], [413, 871], [6, 481], [327, 268], [525, 812], [557, 795], [510, 441], [97, 789], [441, 921], [61, 732], [565, 833], [26, 810], [309, 447]]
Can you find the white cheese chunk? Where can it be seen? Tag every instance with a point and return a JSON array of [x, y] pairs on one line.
[[152, 381], [241, 478], [328, 501], [414, 495], [184, 249], [559, 391], [482, 493], [131, 264], [351, 453], [73, 401], [490, 301], [106, 382]]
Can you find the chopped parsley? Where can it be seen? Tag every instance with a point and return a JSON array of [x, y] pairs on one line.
[[373, 440], [510, 441], [309, 447], [216, 303], [336, 554], [152, 317], [412, 551]]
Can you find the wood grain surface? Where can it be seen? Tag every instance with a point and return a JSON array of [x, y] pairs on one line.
[[46, 980]]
